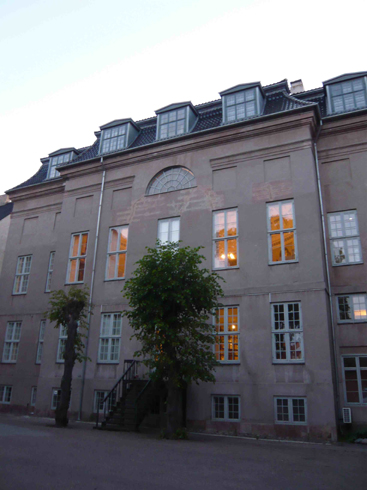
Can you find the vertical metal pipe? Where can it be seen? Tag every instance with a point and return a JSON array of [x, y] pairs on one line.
[[91, 291]]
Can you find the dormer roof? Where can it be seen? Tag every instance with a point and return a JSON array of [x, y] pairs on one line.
[[240, 87], [345, 77], [118, 122], [175, 106]]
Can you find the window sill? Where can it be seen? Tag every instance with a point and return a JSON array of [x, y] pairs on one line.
[[290, 423], [356, 404], [8, 362], [349, 263], [103, 363], [229, 363], [73, 283], [60, 362], [18, 294], [287, 362], [4, 403], [226, 268], [226, 420], [355, 322], [284, 262], [115, 279]]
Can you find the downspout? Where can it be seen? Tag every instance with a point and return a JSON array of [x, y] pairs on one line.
[[91, 291], [337, 397]]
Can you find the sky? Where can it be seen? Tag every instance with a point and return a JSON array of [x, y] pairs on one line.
[[68, 67]]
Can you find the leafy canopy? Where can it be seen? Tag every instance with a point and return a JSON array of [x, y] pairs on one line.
[[172, 299], [67, 307]]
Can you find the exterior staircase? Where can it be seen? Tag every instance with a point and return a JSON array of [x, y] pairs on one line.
[[126, 405]]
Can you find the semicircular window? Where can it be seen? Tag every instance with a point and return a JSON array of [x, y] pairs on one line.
[[171, 179]]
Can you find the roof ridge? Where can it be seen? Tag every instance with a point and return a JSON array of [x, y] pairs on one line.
[[294, 99]]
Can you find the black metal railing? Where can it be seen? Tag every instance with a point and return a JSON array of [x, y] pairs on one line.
[[131, 372]]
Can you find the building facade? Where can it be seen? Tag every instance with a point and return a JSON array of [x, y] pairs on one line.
[[271, 182]]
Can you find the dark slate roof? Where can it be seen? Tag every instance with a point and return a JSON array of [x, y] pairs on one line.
[[5, 210], [209, 116]]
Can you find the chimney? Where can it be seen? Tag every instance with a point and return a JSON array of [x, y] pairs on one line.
[[297, 87]]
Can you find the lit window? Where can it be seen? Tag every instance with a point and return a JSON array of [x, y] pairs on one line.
[[5, 393], [348, 96], [226, 407], [114, 139], [49, 272], [40, 341], [287, 333], [227, 334], [225, 238], [99, 403], [33, 396], [77, 256], [109, 340], [290, 410], [63, 335], [56, 398], [12, 339], [56, 161], [172, 123], [352, 308], [355, 379], [171, 179], [22, 274], [169, 230], [282, 232], [344, 238], [116, 255], [240, 105]]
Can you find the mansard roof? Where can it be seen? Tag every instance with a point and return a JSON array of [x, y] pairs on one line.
[[277, 100]]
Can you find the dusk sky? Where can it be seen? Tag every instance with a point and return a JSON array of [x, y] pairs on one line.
[[68, 67]]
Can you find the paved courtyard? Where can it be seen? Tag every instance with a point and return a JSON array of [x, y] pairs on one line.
[[36, 455]]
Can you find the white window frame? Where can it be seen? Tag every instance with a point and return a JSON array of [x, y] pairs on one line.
[[22, 273], [291, 413], [33, 396], [77, 257], [227, 333], [109, 339], [108, 405], [358, 370], [41, 337], [6, 392], [170, 222], [343, 236], [49, 272], [352, 306], [55, 398], [239, 100], [225, 239], [226, 417], [11, 342], [343, 94], [53, 173], [117, 253], [63, 335], [115, 136], [170, 121], [287, 331], [281, 232]]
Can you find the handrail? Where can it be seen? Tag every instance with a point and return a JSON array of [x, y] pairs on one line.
[[120, 387]]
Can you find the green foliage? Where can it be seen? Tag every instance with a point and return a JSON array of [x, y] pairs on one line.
[[172, 299], [359, 434], [181, 433], [67, 306]]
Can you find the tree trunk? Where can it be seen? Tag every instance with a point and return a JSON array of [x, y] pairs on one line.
[[61, 415], [174, 410]]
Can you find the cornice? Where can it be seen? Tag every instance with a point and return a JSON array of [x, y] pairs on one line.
[[56, 207], [344, 125], [327, 155], [44, 189]]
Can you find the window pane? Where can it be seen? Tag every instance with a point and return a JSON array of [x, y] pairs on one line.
[[353, 250], [350, 224], [72, 271], [274, 217], [75, 246], [219, 225], [345, 312], [111, 266], [233, 347], [276, 249], [349, 362], [113, 240], [84, 244], [81, 269], [295, 345], [287, 215], [299, 414], [123, 238], [219, 348], [282, 410], [338, 251], [231, 223], [233, 407], [220, 256], [280, 347], [232, 253], [359, 307], [121, 265], [336, 229], [289, 246], [219, 407]]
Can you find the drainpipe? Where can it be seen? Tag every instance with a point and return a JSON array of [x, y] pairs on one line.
[[337, 397], [91, 291]]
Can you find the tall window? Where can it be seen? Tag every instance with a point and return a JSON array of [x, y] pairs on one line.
[[240, 105], [225, 238], [116, 255], [41, 336], [55, 161], [282, 232], [352, 308], [77, 257], [49, 272], [355, 379], [114, 139], [344, 238], [348, 96], [226, 408], [33, 396], [63, 335], [169, 230], [5, 393], [171, 179], [109, 340], [290, 410], [172, 123], [227, 328], [287, 333], [12, 339], [22, 274]]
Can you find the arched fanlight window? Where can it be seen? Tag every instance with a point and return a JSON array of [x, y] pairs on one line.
[[171, 179]]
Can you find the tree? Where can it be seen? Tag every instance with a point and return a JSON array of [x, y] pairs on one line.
[[69, 310], [172, 300]]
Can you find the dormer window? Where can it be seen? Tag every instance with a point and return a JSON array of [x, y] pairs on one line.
[[56, 159], [347, 92], [117, 135], [175, 120], [242, 102]]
